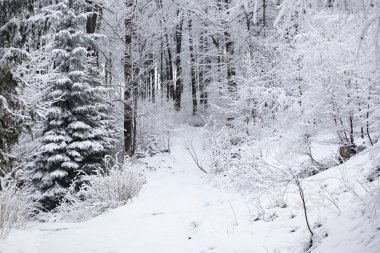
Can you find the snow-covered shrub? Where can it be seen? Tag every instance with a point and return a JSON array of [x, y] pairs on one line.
[[15, 207], [111, 188], [235, 158], [118, 186]]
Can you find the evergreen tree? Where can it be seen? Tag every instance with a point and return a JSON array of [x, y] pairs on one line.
[[76, 134], [14, 28], [22, 26]]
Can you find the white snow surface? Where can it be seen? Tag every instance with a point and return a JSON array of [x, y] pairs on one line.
[[181, 210]]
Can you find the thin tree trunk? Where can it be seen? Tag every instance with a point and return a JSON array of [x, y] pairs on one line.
[[179, 81], [91, 25], [201, 69], [162, 75], [107, 67], [130, 89], [351, 120], [169, 67], [204, 69], [193, 72], [162, 54], [231, 73], [361, 120], [264, 14], [152, 78], [168, 79], [367, 124], [149, 91], [230, 50], [207, 69]]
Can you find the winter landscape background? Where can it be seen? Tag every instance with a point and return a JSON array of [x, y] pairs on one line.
[[189, 126]]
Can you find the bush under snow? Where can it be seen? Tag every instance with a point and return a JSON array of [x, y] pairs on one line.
[[15, 207], [103, 191]]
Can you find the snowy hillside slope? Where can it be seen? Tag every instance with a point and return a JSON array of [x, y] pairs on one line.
[[342, 204], [184, 210]]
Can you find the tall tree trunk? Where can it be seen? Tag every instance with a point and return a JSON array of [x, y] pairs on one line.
[[169, 67], [108, 68], [193, 72], [168, 80], [91, 25], [204, 69], [264, 14], [207, 70], [130, 89], [201, 69], [351, 120], [162, 73], [179, 80], [230, 51], [361, 121], [153, 85], [149, 91], [367, 124], [231, 73]]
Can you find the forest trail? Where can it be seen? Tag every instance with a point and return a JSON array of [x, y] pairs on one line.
[[181, 210], [178, 211]]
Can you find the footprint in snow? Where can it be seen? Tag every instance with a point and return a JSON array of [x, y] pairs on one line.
[[211, 248], [194, 225], [155, 214], [53, 229]]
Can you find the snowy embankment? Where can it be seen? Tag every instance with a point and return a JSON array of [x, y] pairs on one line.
[[180, 211]]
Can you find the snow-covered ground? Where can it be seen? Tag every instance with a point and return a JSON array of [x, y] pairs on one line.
[[182, 210]]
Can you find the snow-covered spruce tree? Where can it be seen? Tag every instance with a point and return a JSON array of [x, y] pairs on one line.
[[76, 134], [22, 26], [13, 29]]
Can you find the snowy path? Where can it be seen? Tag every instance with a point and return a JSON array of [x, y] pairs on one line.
[[176, 212], [179, 211]]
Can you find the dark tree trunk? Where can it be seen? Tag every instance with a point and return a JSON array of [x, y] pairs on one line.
[[130, 89], [231, 73], [152, 83], [169, 70], [153, 87], [108, 73], [193, 72], [367, 124], [201, 69], [91, 23], [162, 54], [204, 69], [361, 120], [351, 120], [230, 50], [207, 68], [162, 73], [264, 14], [179, 81], [167, 79], [149, 89]]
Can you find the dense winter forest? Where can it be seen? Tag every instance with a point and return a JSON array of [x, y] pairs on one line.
[[189, 126]]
